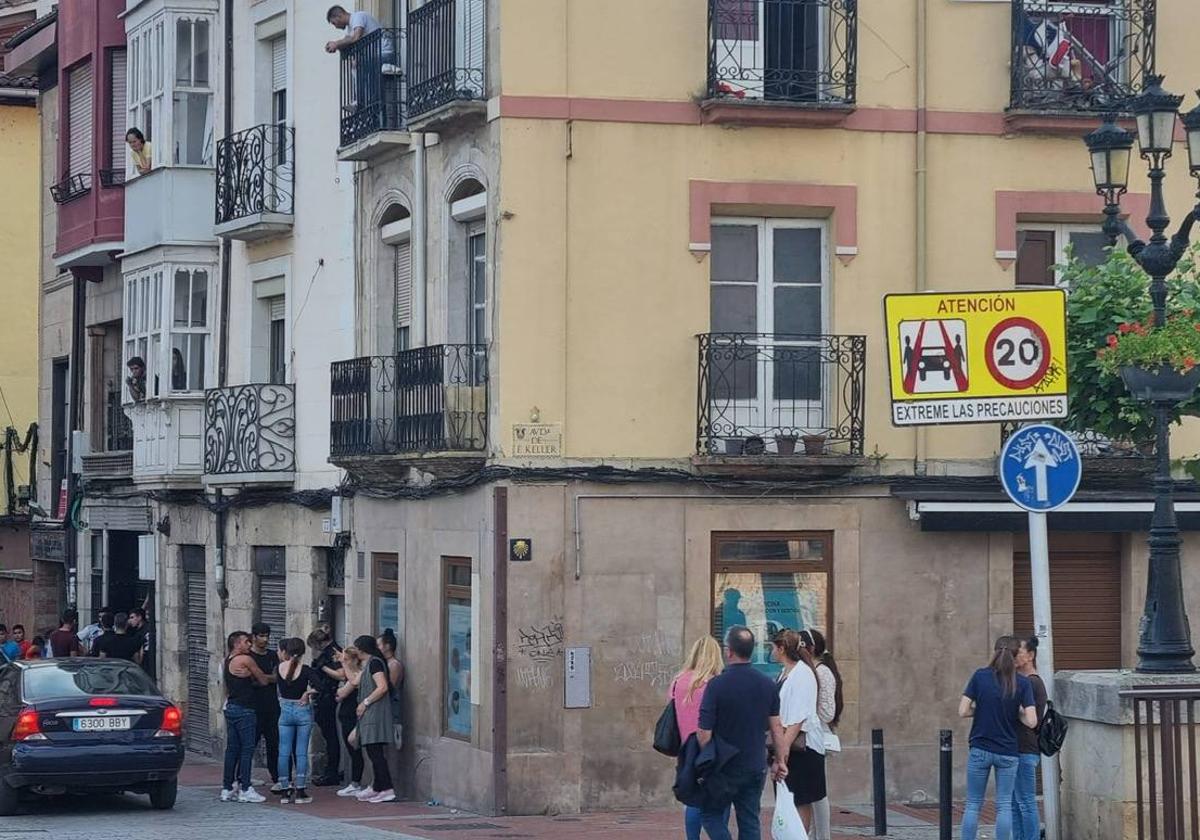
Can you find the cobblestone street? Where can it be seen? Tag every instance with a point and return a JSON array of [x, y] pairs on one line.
[[198, 816]]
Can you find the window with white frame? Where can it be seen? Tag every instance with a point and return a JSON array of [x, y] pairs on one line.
[[192, 125], [189, 329], [167, 326], [1041, 246], [769, 306], [143, 324], [145, 88]]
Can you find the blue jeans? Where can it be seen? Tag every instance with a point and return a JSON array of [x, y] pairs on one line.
[[692, 824], [295, 728], [979, 765], [747, 799], [1025, 807], [240, 735]]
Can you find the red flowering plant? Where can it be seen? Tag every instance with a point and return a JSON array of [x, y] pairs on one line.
[[1109, 326]]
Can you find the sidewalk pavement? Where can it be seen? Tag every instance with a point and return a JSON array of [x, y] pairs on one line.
[[417, 821]]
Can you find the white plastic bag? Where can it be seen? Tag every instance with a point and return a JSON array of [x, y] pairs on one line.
[[786, 824]]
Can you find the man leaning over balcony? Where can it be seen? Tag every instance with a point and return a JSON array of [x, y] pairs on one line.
[[355, 24]]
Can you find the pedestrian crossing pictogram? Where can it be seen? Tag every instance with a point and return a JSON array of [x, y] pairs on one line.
[[933, 355]]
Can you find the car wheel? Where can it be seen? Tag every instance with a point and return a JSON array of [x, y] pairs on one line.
[[9, 799], [162, 794]]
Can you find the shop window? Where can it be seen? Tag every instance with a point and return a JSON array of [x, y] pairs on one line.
[[386, 597], [1042, 247], [771, 582], [456, 640]]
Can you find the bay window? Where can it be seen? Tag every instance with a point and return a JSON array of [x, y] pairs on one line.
[[167, 326], [170, 84]]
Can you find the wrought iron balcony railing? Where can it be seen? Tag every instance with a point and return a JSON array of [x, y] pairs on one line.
[[249, 429], [446, 54], [1095, 445], [372, 82], [71, 188], [431, 399], [255, 173], [118, 428], [763, 394], [801, 51], [1080, 56], [112, 177]]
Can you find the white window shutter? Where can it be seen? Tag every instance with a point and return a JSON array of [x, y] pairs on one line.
[[117, 81], [278, 64], [278, 308], [79, 120], [403, 277], [147, 556]]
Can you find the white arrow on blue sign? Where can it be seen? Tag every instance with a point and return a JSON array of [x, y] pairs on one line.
[[1040, 468]]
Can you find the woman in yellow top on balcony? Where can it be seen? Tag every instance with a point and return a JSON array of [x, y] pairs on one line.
[[139, 150]]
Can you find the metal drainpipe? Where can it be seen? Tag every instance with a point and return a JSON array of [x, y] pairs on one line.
[[223, 346], [79, 280], [920, 453], [420, 257]]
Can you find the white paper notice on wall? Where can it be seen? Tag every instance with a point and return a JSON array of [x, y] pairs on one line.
[[147, 556], [578, 664]]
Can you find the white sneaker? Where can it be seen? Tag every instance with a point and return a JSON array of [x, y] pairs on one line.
[[365, 794], [280, 787], [228, 795], [350, 790], [385, 796], [251, 795]]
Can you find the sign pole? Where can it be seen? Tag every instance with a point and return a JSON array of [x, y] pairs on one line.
[[1039, 559]]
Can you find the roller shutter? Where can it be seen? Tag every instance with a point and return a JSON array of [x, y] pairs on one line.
[[1085, 596], [118, 105], [272, 605], [79, 120], [403, 278], [199, 738]]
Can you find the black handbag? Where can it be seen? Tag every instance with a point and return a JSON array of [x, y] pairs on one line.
[[1052, 732], [666, 732]]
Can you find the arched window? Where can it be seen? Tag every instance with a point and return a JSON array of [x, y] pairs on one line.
[[395, 278]]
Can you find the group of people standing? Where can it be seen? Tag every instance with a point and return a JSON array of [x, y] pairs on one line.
[[351, 695], [745, 724], [1006, 702]]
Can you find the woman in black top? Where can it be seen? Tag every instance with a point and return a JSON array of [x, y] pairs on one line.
[[294, 684], [327, 673], [241, 675]]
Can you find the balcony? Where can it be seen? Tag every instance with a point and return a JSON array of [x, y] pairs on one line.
[[173, 205], [71, 188], [781, 62], [446, 67], [250, 434], [1103, 454], [115, 463], [254, 187], [168, 436], [1073, 60], [781, 401], [372, 96], [427, 406]]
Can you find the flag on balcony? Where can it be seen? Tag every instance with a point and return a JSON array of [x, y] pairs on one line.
[[1051, 43]]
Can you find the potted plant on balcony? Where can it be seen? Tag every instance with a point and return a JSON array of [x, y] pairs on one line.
[[785, 443], [1157, 364], [814, 444]]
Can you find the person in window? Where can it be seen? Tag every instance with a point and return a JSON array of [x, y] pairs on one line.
[[139, 150], [136, 381], [355, 24], [178, 371]]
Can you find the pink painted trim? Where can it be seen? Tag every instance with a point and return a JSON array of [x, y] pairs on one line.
[[965, 122], [839, 201], [1011, 205]]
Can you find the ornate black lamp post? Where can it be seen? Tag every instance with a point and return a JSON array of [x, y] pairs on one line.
[[1165, 642]]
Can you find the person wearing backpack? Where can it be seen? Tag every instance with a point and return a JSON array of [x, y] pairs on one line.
[[1026, 820], [999, 701]]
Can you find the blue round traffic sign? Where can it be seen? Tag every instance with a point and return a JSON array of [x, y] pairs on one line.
[[1040, 468]]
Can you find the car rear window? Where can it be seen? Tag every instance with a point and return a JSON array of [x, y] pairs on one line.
[[82, 678]]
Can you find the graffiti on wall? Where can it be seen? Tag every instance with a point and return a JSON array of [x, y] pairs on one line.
[[541, 643]]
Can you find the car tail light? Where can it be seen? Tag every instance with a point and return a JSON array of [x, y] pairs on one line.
[[172, 723], [28, 726], [103, 701]]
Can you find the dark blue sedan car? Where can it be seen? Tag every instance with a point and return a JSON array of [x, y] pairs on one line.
[[85, 724]]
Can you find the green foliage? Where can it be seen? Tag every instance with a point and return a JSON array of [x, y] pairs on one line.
[[1174, 345], [1101, 299]]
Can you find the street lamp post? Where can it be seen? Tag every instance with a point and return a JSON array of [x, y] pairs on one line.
[[1165, 638]]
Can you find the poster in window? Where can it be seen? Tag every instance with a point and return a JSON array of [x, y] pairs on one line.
[[388, 611], [458, 668], [767, 602]]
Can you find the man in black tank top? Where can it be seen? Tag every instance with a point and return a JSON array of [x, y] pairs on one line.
[[242, 678], [266, 702]]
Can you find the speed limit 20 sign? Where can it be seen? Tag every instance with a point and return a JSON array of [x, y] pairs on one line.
[[977, 357]]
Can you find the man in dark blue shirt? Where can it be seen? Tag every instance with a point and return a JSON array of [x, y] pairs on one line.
[[739, 706]]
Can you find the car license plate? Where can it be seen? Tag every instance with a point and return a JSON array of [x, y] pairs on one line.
[[100, 724]]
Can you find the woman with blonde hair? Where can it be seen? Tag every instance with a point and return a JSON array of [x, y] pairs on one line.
[[687, 691]]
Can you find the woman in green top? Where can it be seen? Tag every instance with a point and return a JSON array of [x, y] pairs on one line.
[[374, 719]]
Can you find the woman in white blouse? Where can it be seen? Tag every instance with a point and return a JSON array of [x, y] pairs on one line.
[[829, 710], [804, 736]]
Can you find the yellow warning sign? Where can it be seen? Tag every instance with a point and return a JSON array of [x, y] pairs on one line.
[[977, 357]]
